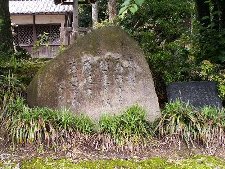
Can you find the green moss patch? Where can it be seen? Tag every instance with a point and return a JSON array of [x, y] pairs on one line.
[[196, 162]]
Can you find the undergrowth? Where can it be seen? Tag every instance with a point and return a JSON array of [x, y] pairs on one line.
[[131, 125], [194, 126], [128, 130], [41, 125]]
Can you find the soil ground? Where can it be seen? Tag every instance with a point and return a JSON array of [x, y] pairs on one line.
[[170, 150]]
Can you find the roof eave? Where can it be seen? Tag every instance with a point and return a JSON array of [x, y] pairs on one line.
[[41, 13]]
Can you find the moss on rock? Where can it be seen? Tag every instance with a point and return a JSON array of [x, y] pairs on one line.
[[104, 71]]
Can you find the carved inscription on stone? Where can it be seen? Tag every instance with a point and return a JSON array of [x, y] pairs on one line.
[[119, 80], [73, 84], [104, 67], [87, 72], [131, 76], [103, 64], [61, 96]]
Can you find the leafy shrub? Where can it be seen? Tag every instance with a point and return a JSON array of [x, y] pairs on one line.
[[210, 45], [213, 72], [24, 70], [21, 53]]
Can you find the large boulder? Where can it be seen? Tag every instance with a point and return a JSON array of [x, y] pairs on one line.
[[102, 72]]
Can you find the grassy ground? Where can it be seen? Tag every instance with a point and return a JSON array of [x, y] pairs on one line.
[[195, 162]]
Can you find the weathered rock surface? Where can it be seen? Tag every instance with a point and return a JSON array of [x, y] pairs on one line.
[[102, 72]]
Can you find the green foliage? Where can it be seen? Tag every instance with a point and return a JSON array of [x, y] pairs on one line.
[[22, 69], [10, 88], [210, 43], [84, 15], [173, 62], [6, 39], [213, 72], [175, 45], [43, 39], [43, 125], [130, 125], [205, 126], [166, 19], [130, 6], [105, 23], [21, 54]]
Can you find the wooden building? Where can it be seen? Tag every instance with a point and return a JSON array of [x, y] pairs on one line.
[[37, 17]]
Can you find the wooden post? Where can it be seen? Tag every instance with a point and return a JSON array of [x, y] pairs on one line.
[[75, 20], [33, 53], [34, 30]]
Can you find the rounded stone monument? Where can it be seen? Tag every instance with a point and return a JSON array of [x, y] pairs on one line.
[[104, 71]]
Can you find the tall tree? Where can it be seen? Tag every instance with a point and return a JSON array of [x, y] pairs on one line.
[[211, 13], [112, 9], [94, 13], [203, 12], [221, 4], [6, 40]]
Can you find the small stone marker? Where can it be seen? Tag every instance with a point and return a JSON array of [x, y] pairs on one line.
[[102, 72], [197, 93]]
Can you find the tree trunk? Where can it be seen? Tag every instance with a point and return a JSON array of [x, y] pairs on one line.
[[215, 15], [203, 12], [222, 16], [112, 9], [6, 40], [95, 13]]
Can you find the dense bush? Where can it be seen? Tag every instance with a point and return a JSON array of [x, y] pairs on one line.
[[209, 45], [213, 72]]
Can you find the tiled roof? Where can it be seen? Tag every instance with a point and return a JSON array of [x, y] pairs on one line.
[[37, 7], [61, 1]]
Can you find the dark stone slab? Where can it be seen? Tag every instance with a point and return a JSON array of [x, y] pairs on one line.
[[197, 93]]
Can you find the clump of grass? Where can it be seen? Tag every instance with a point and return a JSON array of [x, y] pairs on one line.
[[131, 127], [186, 123], [10, 88], [38, 125], [43, 125]]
